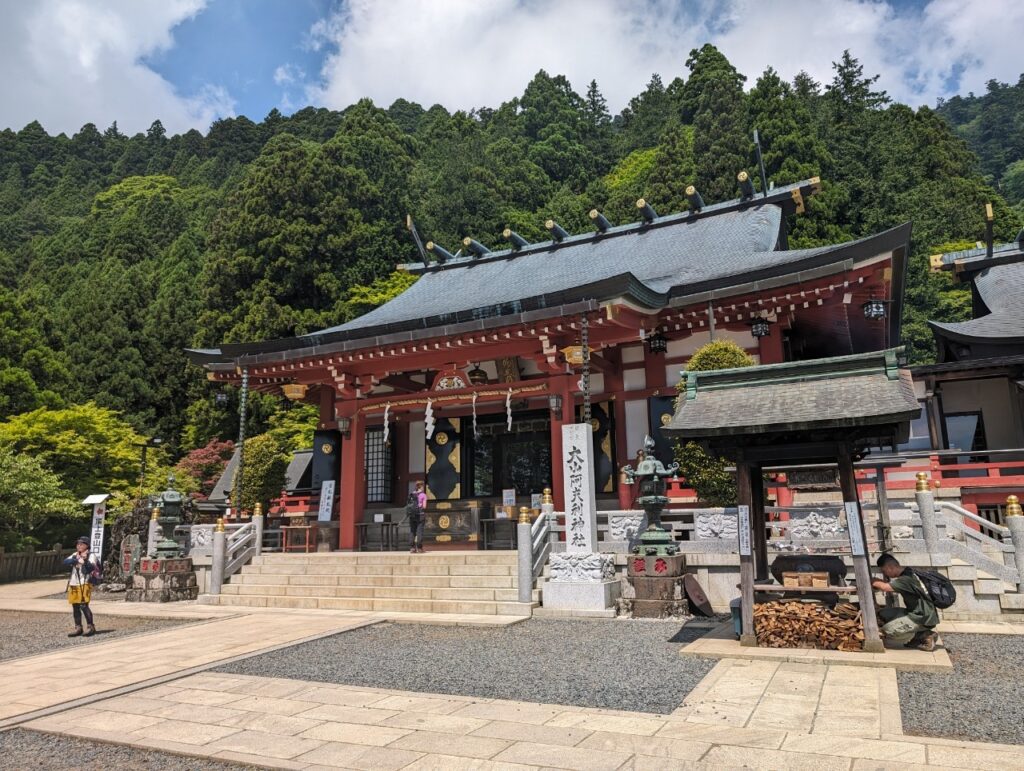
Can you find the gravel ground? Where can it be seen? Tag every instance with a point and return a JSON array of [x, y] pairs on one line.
[[979, 701], [622, 664], [25, 634], [23, 749]]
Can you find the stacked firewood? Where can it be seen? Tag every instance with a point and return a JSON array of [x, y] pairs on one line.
[[800, 624]]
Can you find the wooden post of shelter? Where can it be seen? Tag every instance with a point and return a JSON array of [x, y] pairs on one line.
[[858, 549], [746, 544], [758, 522]]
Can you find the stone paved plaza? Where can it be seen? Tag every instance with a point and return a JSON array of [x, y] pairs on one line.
[[156, 692]]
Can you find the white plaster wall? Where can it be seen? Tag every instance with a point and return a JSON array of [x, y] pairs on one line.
[[632, 354], [596, 382], [992, 397], [672, 376], [636, 425], [687, 345], [417, 447], [634, 379]]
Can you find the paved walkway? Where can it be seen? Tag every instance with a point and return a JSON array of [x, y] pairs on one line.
[[152, 691], [304, 725]]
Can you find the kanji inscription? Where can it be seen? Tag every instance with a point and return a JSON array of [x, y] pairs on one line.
[[578, 476]]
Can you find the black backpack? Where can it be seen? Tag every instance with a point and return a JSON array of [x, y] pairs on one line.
[[940, 588], [412, 506]]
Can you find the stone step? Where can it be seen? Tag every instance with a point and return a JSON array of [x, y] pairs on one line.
[[389, 558], [377, 592], [469, 607], [437, 582], [989, 586], [288, 569]]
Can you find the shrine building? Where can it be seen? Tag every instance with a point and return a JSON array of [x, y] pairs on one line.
[[465, 379]]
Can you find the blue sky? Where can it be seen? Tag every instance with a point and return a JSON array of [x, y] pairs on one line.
[[239, 45], [189, 62]]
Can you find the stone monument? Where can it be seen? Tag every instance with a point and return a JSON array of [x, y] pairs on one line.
[[166, 576], [581, 578]]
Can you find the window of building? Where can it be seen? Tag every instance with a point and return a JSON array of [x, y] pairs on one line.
[[379, 471], [920, 438]]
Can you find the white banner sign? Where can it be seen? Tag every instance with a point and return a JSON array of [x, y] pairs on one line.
[[854, 528], [743, 529], [508, 497], [326, 501], [578, 487], [99, 512]]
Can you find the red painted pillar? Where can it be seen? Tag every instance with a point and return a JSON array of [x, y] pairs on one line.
[[560, 386], [769, 348], [353, 480]]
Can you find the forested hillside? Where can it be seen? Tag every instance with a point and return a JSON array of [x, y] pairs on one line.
[[993, 125], [116, 252]]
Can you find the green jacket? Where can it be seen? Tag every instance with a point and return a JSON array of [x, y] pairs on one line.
[[916, 599]]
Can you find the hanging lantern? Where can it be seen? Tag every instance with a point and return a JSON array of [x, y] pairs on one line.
[[294, 391], [220, 399], [657, 343], [875, 308], [477, 376], [760, 327]]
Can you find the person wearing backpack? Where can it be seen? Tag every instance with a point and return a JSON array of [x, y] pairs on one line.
[[415, 512], [85, 571], [913, 624]]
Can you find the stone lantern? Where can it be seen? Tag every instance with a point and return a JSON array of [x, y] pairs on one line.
[[655, 570], [651, 474], [170, 503]]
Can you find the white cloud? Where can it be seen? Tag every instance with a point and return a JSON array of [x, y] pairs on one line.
[[464, 54], [289, 74], [69, 62]]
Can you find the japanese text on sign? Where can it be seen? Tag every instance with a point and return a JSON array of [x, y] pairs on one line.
[[854, 528], [743, 529], [578, 488]]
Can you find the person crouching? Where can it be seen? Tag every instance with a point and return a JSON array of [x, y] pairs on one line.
[[914, 624], [79, 588]]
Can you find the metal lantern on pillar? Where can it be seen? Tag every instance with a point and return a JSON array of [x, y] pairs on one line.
[[875, 308], [760, 327], [477, 376], [555, 403], [657, 343]]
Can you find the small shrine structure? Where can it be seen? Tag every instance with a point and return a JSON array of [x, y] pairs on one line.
[[824, 411]]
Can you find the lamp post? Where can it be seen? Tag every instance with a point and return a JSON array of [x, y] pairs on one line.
[[154, 442]]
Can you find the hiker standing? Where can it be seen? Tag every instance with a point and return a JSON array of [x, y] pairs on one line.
[[415, 510], [914, 624], [84, 570]]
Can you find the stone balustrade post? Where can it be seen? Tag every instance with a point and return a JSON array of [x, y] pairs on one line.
[[524, 545], [257, 526], [1015, 521], [153, 536], [547, 509], [220, 556], [929, 517]]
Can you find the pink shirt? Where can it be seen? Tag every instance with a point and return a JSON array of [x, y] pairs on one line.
[[421, 499]]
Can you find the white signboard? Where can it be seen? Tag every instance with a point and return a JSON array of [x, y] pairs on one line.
[[578, 488], [99, 512], [326, 501], [854, 528], [535, 500], [743, 529], [508, 497], [501, 513]]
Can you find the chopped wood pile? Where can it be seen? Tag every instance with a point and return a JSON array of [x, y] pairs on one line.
[[799, 624]]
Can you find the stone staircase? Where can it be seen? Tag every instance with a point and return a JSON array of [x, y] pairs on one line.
[[440, 582]]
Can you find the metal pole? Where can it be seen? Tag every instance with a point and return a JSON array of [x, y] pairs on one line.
[[884, 525], [236, 495], [585, 342], [760, 165], [142, 470], [711, 320]]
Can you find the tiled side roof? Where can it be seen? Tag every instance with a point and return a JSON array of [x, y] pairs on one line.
[[827, 393], [1000, 288]]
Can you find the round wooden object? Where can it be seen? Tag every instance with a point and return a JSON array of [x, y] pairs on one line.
[[694, 593]]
